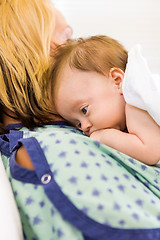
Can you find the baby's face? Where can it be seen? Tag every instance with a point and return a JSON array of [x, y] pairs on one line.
[[89, 101]]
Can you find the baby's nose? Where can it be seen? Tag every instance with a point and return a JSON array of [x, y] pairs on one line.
[[86, 125]]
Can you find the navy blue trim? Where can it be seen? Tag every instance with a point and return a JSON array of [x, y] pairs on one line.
[[4, 145], [20, 125], [60, 123], [14, 136], [91, 229], [8, 141], [14, 126]]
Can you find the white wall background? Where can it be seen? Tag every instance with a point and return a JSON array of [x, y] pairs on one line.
[[129, 21]]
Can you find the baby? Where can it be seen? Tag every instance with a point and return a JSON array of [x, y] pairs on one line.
[[95, 89]]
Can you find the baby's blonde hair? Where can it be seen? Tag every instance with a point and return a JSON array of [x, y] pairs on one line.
[[96, 53], [26, 28]]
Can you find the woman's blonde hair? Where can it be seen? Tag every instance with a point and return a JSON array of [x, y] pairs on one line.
[[97, 53], [26, 28]]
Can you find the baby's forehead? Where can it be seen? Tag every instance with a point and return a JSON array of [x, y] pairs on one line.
[[65, 71]]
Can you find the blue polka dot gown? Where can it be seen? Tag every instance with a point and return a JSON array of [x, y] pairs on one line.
[[80, 189]]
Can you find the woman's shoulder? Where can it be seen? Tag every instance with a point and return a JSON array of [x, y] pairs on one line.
[[42, 138]]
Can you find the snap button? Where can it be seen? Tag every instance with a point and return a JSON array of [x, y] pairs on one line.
[[46, 178]]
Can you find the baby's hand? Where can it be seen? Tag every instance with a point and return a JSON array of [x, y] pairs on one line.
[[98, 135], [106, 136]]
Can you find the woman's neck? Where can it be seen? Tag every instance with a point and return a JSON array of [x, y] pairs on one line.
[[9, 117]]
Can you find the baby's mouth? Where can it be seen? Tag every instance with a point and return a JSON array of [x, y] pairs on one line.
[[90, 132], [87, 134]]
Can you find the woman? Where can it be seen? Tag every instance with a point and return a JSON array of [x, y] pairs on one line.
[[66, 185]]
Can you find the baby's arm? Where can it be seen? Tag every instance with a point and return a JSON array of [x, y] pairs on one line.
[[143, 140]]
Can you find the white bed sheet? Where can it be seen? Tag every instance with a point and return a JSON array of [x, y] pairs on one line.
[[10, 225]]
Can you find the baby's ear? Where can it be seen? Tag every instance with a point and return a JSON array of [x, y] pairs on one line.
[[116, 75]]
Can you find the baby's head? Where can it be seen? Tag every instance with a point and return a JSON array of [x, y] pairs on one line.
[[86, 80]]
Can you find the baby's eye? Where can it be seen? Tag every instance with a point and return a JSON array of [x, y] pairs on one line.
[[84, 110]]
